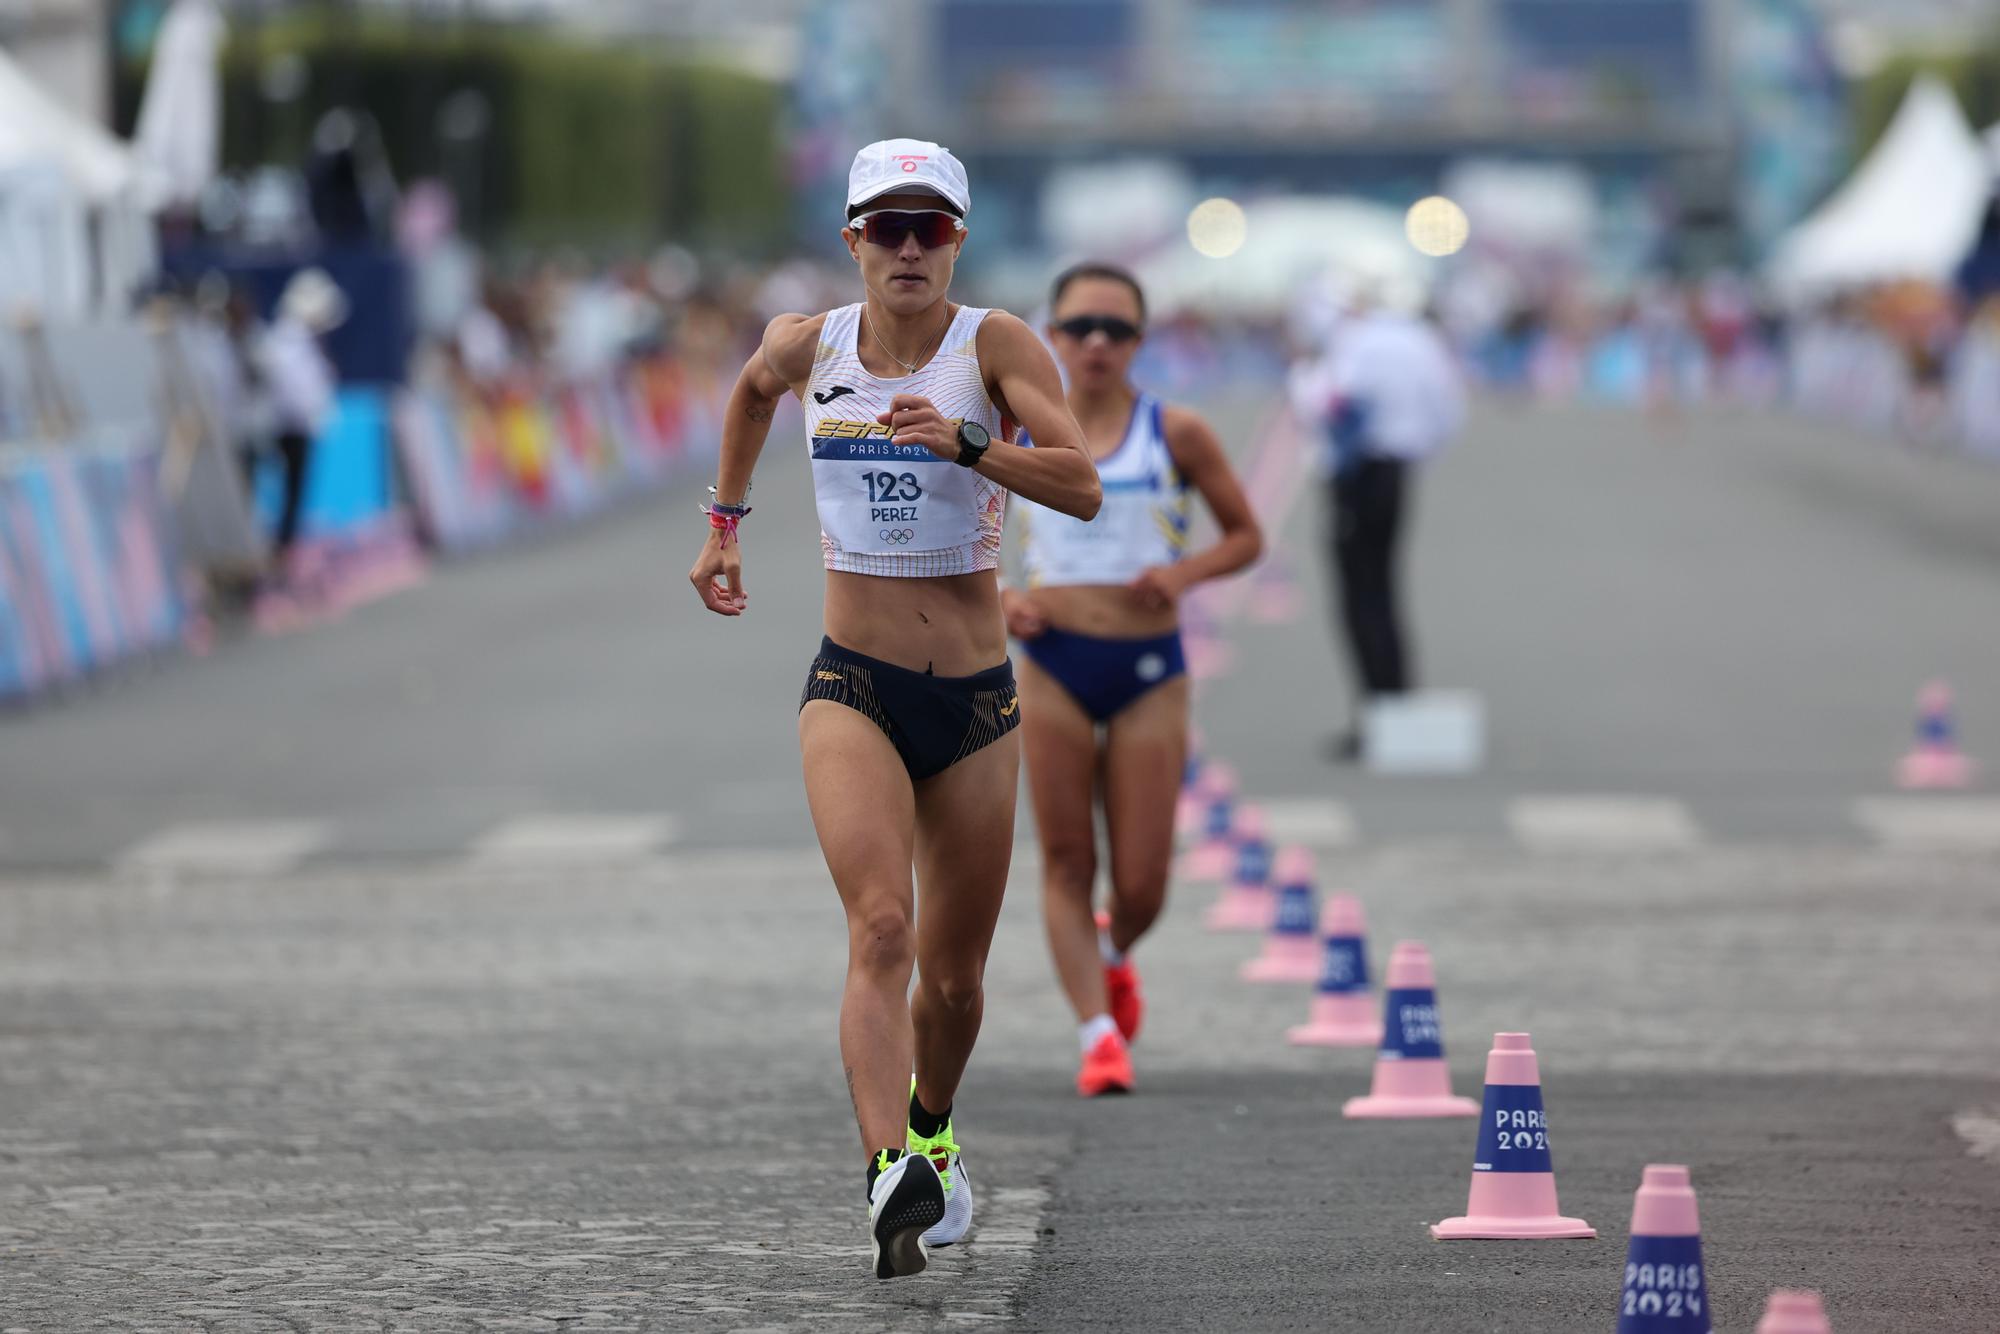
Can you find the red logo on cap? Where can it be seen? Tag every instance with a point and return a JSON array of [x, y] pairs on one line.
[[910, 160]]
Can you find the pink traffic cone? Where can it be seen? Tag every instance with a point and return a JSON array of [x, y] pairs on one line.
[[1513, 1179], [1245, 904], [1212, 857], [1290, 952], [1343, 1014], [1208, 658], [1274, 594], [1191, 807], [1793, 1312], [1665, 1289], [1935, 761], [1411, 1078]]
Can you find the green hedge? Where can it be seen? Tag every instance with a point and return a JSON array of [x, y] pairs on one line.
[[600, 147]]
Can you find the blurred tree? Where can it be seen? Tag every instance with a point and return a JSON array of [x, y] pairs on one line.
[[544, 139]]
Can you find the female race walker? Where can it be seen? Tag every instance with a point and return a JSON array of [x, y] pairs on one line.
[[909, 708], [1101, 630]]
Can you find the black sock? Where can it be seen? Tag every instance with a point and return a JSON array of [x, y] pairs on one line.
[[925, 1123], [878, 1163]]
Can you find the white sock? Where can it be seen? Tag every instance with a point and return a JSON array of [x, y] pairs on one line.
[[1111, 953], [1091, 1031]]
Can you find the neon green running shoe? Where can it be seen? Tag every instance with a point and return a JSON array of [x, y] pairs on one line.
[[942, 1150]]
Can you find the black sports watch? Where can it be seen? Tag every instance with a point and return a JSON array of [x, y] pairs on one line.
[[972, 442]]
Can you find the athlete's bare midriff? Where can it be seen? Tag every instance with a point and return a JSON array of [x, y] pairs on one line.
[[1104, 610], [950, 624]]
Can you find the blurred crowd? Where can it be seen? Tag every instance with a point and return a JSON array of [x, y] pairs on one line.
[[1914, 360], [1911, 360], [562, 319]]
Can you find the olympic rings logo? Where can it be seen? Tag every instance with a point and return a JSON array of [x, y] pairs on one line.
[[897, 537]]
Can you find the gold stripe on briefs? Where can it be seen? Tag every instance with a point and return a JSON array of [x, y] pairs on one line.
[[988, 724], [850, 685]]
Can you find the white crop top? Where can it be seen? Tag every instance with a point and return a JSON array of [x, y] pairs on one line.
[[900, 510], [1142, 523]]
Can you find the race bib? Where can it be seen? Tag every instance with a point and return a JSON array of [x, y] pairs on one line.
[[881, 498]]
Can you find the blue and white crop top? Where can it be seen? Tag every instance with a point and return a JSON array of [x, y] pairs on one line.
[[1143, 521]]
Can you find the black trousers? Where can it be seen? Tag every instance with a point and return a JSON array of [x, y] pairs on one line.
[[1367, 504], [295, 454]]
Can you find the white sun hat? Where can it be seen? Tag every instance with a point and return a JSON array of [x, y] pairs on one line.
[[314, 300], [891, 165]]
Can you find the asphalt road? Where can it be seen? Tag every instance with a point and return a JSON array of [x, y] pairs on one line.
[[400, 1065]]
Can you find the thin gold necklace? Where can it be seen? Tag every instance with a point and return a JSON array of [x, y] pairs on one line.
[[909, 367]]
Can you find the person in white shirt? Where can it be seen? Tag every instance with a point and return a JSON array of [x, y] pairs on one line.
[[1389, 395], [300, 381]]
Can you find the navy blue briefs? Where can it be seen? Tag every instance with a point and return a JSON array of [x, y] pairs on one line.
[[1106, 675], [933, 721]]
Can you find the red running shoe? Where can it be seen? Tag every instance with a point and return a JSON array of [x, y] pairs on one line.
[[1121, 991], [1107, 1068]]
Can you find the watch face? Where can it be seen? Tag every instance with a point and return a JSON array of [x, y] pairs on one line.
[[972, 433]]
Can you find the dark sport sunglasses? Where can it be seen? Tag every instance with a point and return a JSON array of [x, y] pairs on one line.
[[1081, 327], [933, 228]]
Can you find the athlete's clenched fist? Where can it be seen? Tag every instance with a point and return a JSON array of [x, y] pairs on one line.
[[912, 420]]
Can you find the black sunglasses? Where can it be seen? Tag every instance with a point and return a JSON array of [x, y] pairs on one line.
[[1081, 327], [887, 228]]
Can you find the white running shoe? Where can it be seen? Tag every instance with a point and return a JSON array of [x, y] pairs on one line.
[[957, 1200], [942, 1150], [906, 1199]]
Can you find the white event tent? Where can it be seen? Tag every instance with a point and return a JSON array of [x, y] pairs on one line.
[[1909, 211], [179, 133], [75, 235]]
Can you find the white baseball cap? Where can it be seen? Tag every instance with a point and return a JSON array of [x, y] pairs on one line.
[[890, 165], [314, 300]]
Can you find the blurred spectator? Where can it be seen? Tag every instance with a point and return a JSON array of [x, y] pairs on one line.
[[301, 382], [1975, 382], [1979, 276], [348, 182], [484, 346], [1388, 395], [243, 391]]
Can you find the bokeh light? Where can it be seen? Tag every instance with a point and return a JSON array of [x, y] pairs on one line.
[[1436, 226], [1217, 227]]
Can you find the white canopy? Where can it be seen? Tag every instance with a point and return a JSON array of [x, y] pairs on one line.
[[1910, 210], [74, 235], [35, 130], [180, 121]]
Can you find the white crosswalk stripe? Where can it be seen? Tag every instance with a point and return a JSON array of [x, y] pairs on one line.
[[1552, 825], [1603, 824], [1316, 821], [556, 840], [1932, 823], [242, 846]]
